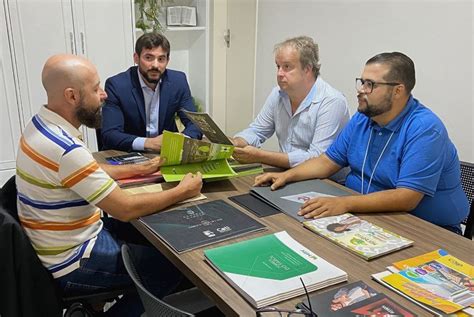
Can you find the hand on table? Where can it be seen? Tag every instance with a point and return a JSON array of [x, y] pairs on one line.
[[319, 207], [276, 180]]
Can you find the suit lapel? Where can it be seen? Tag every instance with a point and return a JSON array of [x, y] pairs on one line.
[[137, 93], [164, 98]]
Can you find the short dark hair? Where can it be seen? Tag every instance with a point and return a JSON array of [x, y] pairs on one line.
[[402, 68], [152, 40]]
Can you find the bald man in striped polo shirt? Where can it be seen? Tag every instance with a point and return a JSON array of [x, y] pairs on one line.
[[61, 190]]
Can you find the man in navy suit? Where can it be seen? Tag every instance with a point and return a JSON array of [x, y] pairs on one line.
[[143, 100]]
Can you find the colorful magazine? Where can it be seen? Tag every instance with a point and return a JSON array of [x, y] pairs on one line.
[[420, 259], [445, 283], [358, 236], [353, 300]]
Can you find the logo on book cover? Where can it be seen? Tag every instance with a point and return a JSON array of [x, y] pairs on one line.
[[224, 229], [209, 233]]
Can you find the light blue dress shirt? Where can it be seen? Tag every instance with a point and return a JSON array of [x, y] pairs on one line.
[[309, 131], [152, 110]]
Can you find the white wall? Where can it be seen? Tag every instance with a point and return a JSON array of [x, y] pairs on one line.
[[437, 35]]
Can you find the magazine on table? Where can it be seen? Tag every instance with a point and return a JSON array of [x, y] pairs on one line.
[[354, 300], [443, 285], [359, 236]]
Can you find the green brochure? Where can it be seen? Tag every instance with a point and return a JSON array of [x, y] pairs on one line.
[[270, 268], [185, 155]]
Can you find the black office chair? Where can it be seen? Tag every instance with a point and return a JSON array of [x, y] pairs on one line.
[[153, 305], [98, 134], [29, 288], [467, 181]]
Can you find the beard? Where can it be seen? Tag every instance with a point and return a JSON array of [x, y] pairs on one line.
[[372, 110], [148, 78], [91, 118]]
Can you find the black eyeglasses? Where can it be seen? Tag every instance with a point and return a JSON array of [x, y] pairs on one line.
[[298, 312], [368, 85]]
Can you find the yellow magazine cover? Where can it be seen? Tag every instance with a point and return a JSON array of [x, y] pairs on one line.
[[443, 282], [420, 259], [420, 294]]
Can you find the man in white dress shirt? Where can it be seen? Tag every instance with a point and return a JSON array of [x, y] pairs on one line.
[[305, 112]]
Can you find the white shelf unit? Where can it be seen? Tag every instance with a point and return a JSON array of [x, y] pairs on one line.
[[190, 48]]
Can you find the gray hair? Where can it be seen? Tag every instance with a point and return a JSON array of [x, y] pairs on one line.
[[308, 50]]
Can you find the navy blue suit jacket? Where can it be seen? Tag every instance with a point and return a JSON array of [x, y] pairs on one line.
[[124, 117]]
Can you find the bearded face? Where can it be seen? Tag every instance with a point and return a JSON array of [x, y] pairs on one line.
[[89, 113], [372, 109]]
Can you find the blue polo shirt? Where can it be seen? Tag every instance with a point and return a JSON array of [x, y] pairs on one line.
[[419, 155]]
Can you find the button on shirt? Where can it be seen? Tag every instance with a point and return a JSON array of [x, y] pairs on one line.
[[419, 156], [309, 131], [152, 110]]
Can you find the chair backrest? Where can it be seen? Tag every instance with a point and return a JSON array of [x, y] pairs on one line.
[[8, 195], [98, 135], [153, 306], [467, 179], [467, 182], [27, 287]]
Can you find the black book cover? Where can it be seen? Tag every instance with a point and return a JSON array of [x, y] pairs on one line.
[[194, 226], [290, 197], [254, 205]]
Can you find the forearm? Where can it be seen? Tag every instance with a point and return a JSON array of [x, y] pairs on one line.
[[277, 159], [122, 171], [318, 167], [392, 200], [126, 207]]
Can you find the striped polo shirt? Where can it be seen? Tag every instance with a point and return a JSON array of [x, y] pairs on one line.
[[59, 184]]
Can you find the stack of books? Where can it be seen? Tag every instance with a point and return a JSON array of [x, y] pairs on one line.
[[134, 158], [358, 236], [436, 281], [267, 269]]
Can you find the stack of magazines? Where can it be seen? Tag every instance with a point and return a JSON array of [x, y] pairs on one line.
[[436, 281]]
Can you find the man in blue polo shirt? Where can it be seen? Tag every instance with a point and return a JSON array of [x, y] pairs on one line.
[[399, 152]]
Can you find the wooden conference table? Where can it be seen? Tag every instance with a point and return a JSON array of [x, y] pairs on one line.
[[427, 237]]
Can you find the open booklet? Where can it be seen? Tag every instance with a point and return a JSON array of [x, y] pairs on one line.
[[181, 16], [185, 155]]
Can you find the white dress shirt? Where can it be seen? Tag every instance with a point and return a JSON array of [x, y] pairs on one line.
[[152, 110]]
